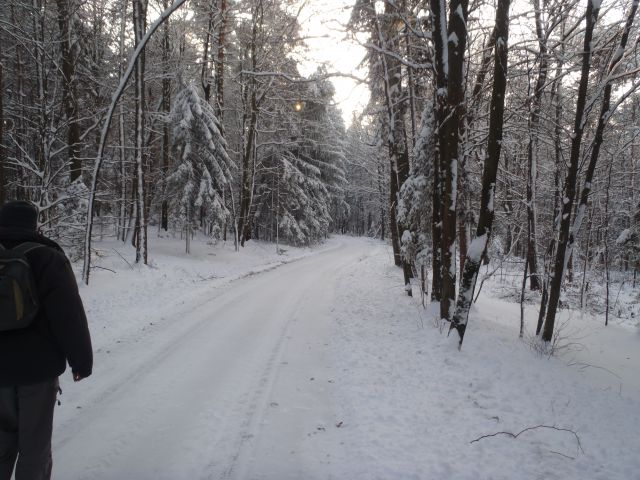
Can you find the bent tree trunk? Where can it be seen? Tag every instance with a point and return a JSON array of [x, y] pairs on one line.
[[479, 244], [105, 131]]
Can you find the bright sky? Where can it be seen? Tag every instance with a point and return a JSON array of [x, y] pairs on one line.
[[324, 22]]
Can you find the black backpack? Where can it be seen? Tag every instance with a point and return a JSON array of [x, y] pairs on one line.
[[18, 293]]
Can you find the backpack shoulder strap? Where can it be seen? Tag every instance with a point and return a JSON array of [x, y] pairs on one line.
[[27, 247]]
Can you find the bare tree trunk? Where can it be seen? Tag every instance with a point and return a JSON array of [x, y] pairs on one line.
[[19, 122], [450, 150], [522, 292], [166, 108], [187, 231], [569, 191], [205, 74], [44, 133], [606, 242], [583, 288], [478, 246], [219, 66], [122, 221], [393, 203], [532, 152], [65, 13], [3, 154], [436, 229], [382, 200], [248, 157], [411, 87], [463, 214], [139, 22], [246, 187], [464, 201], [220, 63], [556, 89], [439, 35]]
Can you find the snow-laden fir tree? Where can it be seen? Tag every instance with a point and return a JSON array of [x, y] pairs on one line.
[[291, 196], [300, 189], [202, 168], [322, 145]]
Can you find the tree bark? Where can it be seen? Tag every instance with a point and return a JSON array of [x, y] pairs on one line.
[[205, 74], [166, 108], [122, 220], [439, 35], [65, 12], [463, 201], [570, 183], [449, 150], [477, 249], [139, 22], [556, 89], [248, 157], [220, 63], [532, 151], [3, 154]]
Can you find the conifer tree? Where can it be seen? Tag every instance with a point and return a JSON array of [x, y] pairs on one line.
[[202, 165]]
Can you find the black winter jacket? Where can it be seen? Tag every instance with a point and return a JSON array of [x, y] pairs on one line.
[[59, 333]]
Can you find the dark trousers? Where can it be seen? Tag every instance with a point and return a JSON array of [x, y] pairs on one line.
[[26, 425]]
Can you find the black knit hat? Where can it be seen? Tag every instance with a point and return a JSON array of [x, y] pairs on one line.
[[19, 214]]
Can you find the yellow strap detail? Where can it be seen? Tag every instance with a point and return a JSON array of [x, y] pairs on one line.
[[19, 298]]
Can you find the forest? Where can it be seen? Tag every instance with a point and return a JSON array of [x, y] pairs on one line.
[[496, 133]]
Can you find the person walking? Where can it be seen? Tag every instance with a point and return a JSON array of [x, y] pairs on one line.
[[35, 354]]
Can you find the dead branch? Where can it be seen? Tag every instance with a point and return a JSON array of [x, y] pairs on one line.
[[516, 435]]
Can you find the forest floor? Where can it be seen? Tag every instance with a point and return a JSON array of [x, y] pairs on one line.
[[313, 364]]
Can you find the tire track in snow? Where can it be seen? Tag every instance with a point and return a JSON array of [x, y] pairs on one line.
[[259, 405], [118, 414]]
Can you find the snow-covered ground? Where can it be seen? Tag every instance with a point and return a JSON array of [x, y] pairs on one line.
[[318, 367]]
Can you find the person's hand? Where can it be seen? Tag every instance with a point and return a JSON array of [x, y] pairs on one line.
[[77, 377]]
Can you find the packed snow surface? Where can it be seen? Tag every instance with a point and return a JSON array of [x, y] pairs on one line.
[[313, 364]]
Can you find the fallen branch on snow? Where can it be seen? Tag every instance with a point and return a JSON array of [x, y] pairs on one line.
[[516, 435]]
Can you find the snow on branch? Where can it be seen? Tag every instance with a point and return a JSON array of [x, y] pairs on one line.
[[293, 79]]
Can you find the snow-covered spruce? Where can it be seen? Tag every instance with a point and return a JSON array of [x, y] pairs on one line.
[[300, 184], [202, 166]]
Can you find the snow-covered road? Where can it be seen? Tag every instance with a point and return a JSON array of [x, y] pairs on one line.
[[225, 385], [322, 369]]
